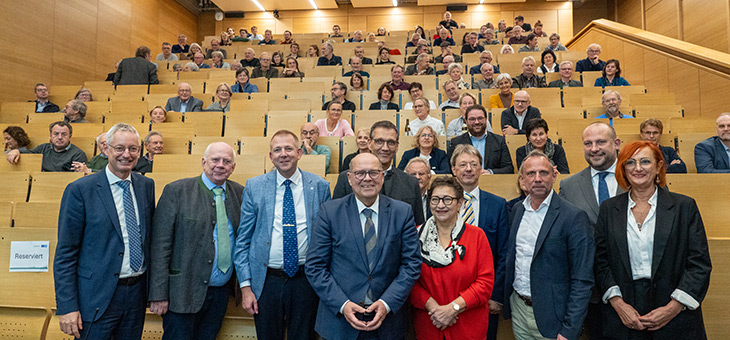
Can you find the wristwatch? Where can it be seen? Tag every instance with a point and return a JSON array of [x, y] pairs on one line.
[[456, 306]]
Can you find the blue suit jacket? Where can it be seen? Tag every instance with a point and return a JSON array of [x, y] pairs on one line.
[[87, 261], [337, 265], [439, 162], [710, 156], [561, 273], [493, 219], [251, 251]]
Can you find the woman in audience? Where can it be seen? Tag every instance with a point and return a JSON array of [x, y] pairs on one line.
[[536, 130], [555, 44], [371, 37], [385, 97], [651, 130], [505, 96], [190, 67], [652, 264], [421, 32], [277, 59], [384, 57], [458, 126], [84, 95], [313, 51], [292, 69], [15, 138], [507, 49], [334, 125], [422, 110], [158, 115], [357, 83], [223, 92], [549, 64], [225, 39], [194, 48], [426, 145], [363, 146], [450, 298], [611, 75], [217, 57], [455, 73], [242, 84], [538, 30], [177, 67], [381, 32]]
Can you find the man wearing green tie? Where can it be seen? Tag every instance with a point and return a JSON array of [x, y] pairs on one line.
[[192, 240]]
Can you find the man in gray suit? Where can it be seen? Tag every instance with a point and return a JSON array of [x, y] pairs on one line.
[[566, 72], [137, 70], [184, 102], [192, 236]]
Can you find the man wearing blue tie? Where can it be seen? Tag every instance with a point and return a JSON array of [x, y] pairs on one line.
[[191, 271], [103, 248], [273, 237]]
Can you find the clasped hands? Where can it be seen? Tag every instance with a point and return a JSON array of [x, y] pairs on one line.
[[442, 316], [351, 310], [652, 321]]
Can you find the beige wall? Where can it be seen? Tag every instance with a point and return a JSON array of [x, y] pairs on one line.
[[66, 42]]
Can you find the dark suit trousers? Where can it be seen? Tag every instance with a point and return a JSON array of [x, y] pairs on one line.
[[123, 318], [203, 325], [287, 305], [492, 330]]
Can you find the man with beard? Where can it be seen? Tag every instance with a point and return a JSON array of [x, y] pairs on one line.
[[493, 148], [713, 154], [339, 91], [611, 101]]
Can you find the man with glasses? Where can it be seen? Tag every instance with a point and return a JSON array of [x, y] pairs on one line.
[[514, 118], [566, 73], [591, 63], [485, 58], [339, 91], [103, 251], [328, 57], [363, 257], [396, 75], [397, 184], [59, 154], [611, 101], [493, 148], [184, 102], [310, 135], [264, 69], [42, 104]]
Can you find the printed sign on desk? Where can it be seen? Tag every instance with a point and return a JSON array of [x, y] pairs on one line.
[[29, 256]]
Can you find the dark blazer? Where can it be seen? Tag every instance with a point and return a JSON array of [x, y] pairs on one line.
[[337, 265], [561, 273], [136, 70], [397, 185], [578, 189], [182, 238], [439, 163], [50, 107], [710, 156], [680, 260], [497, 154], [558, 159], [670, 155], [413, 70], [559, 83], [494, 221], [174, 103], [391, 106], [510, 118], [87, 261]]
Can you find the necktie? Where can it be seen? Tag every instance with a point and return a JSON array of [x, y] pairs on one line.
[[289, 226], [602, 187], [224, 242], [370, 241], [467, 213], [134, 236]]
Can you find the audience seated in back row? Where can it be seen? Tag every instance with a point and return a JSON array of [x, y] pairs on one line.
[[528, 78], [339, 93], [566, 72], [42, 104], [166, 54]]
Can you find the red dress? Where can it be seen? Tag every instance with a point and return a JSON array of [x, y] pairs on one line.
[[471, 278]]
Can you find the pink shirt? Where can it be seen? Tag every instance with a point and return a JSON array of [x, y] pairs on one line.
[[341, 130]]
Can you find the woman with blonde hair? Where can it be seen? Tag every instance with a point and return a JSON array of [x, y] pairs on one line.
[[223, 93]]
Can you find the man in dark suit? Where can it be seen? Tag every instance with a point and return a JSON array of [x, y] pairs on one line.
[[489, 213], [363, 259], [420, 169], [272, 243], [493, 148], [514, 118], [191, 272], [713, 154], [566, 72], [550, 258], [137, 70], [339, 94], [42, 104], [104, 246], [397, 184], [184, 102], [520, 21]]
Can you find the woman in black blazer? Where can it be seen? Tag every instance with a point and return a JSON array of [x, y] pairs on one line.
[[385, 95], [426, 143], [536, 132], [652, 263]]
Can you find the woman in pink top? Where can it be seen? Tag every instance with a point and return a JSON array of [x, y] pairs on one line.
[[333, 125]]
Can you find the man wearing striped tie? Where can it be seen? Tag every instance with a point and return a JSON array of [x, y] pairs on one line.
[[489, 213]]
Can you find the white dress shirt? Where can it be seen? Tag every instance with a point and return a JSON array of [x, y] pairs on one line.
[[610, 181], [435, 124], [474, 205], [520, 119], [276, 252], [526, 241], [118, 195]]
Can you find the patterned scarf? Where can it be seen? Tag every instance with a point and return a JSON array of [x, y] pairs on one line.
[[549, 148], [432, 253]]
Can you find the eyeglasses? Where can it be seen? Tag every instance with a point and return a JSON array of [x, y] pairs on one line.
[[476, 119], [464, 165], [379, 142], [644, 163], [426, 135], [521, 101], [309, 133], [360, 174], [446, 199], [419, 106], [133, 149]]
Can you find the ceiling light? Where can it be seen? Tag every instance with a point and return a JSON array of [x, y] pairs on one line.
[[258, 4], [311, 2], [481, 1], [395, 3]]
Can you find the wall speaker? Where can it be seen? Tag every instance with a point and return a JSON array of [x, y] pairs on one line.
[[456, 8], [234, 15]]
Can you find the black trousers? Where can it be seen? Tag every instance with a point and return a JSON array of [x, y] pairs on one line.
[[287, 305]]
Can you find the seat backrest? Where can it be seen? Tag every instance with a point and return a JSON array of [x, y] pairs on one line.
[[27, 162], [686, 143], [24, 322], [49, 186], [36, 214], [15, 185]]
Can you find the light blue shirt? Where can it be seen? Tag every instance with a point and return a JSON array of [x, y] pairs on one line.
[[118, 196], [184, 108], [480, 143], [39, 107], [217, 277]]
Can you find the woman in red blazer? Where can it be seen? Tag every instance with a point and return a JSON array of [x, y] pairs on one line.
[[457, 275]]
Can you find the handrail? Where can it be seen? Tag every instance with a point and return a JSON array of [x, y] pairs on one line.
[[703, 56]]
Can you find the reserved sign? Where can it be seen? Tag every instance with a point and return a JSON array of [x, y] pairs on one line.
[[29, 256]]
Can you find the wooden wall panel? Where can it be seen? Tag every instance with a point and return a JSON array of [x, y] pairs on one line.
[[145, 25], [713, 16], [71, 49], [662, 17], [114, 29], [173, 19], [630, 12], [714, 91], [655, 72], [685, 82]]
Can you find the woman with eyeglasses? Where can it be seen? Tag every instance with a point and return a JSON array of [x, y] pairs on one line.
[[223, 93], [334, 125], [422, 110], [426, 146], [457, 275]]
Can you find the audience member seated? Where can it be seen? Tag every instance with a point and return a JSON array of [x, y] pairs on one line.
[[385, 97], [514, 119], [456, 72], [426, 146], [223, 95], [651, 130], [177, 67], [445, 52], [166, 54], [485, 57], [416, 91], [422, 48], [507, 33], [531, 45], [420, 31], [360, 53], [458, 125], [97, 162], [396, 75], [592, 62], [336, 32], [443, 36], [15, 138], [611, 75], [501, 26], [712, 155], [566, 72], [75, 112], [448, 23], [506, 49], [549, 64], [190, 67], [517, 37], [528, 78], [356, 67], [339, 93], [520, 22], [292, 68], [381, 32], [505, 96], [236, 66], [422, 111], [277, 59], [137, 70], [493, 148], [357, 82], [294, 50], [215, 45], [243, 33], [199, 60], [255, 34], [334, 125], [611, 101], [487, 81], [184, 101], [194, 48], [356, 37], [328, 58], [384, 57], [489, 38], [84, 95], [157, 115], [182, 44], [363, 146], [42, 104], [154, 145], [419, 168], [265, 69], [452, 96], [536, 130], [268, 38], [309, 136], [472, 45], [288, 39], [447, 61], [58, 155], [249, 58], [242, 84], [225, 39], [218, 61], [415, 37], [555, 44], [538, 30], [421, 67]]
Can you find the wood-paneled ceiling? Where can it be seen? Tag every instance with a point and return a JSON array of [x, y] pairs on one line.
[[270, 5]]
